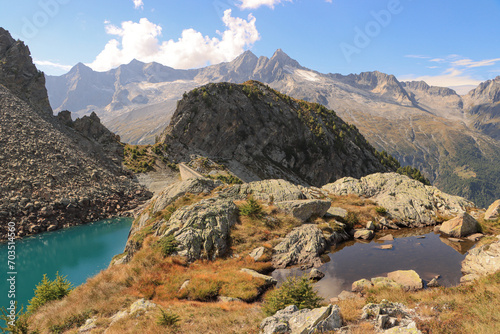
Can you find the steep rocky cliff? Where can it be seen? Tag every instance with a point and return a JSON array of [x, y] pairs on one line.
[[260, 133], [54, 172]]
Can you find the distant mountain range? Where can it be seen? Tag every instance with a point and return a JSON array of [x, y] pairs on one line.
[[453, 139]]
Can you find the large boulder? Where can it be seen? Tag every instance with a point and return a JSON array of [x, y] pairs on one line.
[[408, 279], [493, 211], [305, 209], [266, 190], [202, 229], [460, 226], [294, 321], [409, 201], [302, 246], [481, 261], [170, 194]]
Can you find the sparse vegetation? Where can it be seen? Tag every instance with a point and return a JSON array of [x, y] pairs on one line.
[[168, 245], [168, 319]]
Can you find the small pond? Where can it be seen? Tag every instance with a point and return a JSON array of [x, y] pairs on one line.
[[422, 250]]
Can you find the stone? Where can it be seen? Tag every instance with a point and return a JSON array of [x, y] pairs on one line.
[[294, 321], [184, 285], [316, 275], [408, 279], [270, 281], [202, 229], [318, 320], [141, 305], [481, 261], [302, 246], [455, 240], [460, 226], [303, 210], [344, 295], [433, 283], [475, 236], [360, 285], [388, 237], [337, 212], [224, 299], [364, 234], [389, 246], [52, 228], [257, 253], [118, 316], [370, 226], [89, 325], [493, 211], [408, 201]]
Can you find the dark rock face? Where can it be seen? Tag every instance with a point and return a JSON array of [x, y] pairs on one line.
[[263, 134], [53, 172], [20, 75]]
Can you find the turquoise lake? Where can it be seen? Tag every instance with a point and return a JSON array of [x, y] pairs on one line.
[[77, 252]]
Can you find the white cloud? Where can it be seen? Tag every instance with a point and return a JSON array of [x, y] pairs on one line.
[[417, 56], [469, 63], [253, 4], [138, 4], [140, 41], [449, 78], [52, 64]]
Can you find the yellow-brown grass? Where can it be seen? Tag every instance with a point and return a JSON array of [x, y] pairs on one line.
[[472, 308]]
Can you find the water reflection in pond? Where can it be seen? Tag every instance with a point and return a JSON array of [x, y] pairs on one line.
[[419, 249]]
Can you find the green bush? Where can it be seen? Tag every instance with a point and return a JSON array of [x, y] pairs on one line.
[[168, 245], [296, 291], [167, 318], [381, 210], [48, 290], [251, 208]]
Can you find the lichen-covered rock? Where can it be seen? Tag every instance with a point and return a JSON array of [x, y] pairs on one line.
[[337, 212], [302, 246], [409, 201], [170, 194], [316, 275], [268, 279], [202, 229], [481, 261], [305, 209], [360, 285], [291, 320], [408, 279], [493, 211], [390, 317], [384, 282], [460, 226], [266, 190]]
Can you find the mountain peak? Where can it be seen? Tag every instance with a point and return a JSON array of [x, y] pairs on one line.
[[20, 75]]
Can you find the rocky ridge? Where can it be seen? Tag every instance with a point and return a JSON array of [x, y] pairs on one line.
[[260, 134], [53, 172]]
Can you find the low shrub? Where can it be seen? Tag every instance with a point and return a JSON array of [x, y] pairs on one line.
[[251, 208], [48, 290], [167, 318], [296, 291]]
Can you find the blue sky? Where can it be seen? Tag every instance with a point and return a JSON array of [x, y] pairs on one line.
[[447, 43]]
